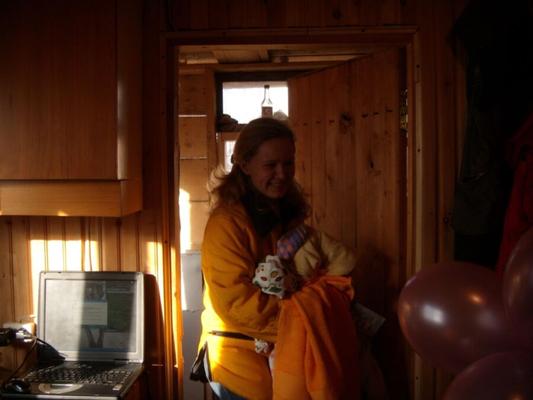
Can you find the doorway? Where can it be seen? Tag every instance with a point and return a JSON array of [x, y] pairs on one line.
[[338, 133]]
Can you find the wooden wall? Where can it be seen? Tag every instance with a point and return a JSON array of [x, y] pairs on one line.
[[236, 14]]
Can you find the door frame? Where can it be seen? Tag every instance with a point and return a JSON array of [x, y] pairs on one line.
[[421, 227]]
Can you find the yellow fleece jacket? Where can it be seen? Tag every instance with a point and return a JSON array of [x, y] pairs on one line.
[[230, 253]]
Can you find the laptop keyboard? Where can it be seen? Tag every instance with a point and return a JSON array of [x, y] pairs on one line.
[[80, 373]]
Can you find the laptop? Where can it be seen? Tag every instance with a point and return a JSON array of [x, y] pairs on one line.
[[95, 320]]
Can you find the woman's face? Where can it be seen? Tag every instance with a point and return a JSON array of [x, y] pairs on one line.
[[271, 170]]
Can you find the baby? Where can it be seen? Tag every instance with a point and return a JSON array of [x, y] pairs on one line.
[[302, 253]]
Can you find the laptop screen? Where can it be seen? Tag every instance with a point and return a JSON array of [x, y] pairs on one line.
[[92, 315]]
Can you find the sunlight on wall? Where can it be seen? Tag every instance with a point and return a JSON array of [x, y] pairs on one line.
[[61, 255], [38, 264], [55, 255], [185, 221], [92, 259], [73, 255], [154, 259]]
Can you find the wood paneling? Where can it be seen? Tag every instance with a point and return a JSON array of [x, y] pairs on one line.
[[193, 95], [235, 14], [193, 137], [193, 178], [356, 144]]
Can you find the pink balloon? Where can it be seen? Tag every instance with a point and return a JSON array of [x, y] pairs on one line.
[[452, 314], [495, 377], [518, 289]]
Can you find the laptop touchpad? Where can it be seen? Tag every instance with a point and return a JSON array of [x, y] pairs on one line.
[[58, 388]]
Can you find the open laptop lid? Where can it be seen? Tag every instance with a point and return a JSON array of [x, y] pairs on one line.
[[93, 316]]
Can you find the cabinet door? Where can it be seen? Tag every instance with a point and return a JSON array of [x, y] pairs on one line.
[[58, 90]]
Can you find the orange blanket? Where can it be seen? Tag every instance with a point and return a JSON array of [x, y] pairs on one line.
[[316, 351]]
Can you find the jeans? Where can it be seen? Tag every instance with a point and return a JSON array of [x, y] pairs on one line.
[[223, 393]]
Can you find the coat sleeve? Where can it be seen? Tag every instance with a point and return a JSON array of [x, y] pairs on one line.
[[228, 264]]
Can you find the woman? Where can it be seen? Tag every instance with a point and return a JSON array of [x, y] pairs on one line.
[[253, 206]]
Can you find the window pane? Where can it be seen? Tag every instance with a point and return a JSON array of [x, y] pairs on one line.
[[242, 100], [228, 151]]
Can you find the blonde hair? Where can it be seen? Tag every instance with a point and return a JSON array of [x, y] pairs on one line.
[[228, 188]]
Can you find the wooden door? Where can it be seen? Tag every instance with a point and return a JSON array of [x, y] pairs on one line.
[[351, 160]]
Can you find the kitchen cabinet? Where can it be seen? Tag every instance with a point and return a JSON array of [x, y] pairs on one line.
[[70, 107]]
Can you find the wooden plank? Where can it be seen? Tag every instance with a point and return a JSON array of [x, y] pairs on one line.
[[73, 244], [55, 244], [211, 112], [111, 254], [255, 13], [293, 16], [277, 13], [218, 15], [342, 13], [192, 132], [92, 244], [363, 128], [300, 117], [38, 249], [236, 14], [7, 308], [22, 275], [369, 12], [199, 213], [150, 259], [199, 14], [61, 198], [179, 14], [192, 95], [389, 12], [129, 243], [317, 125], [348, 161], [408, 14], [193, 179], [128, 122], [335, 98]]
